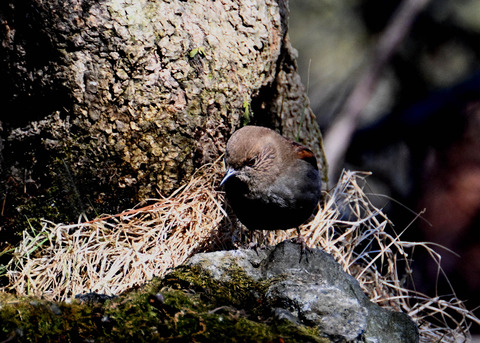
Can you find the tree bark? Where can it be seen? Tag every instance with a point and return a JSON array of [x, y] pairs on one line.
[[106, 102]]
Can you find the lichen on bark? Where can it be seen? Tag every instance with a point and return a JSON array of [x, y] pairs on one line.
[[109, 102]]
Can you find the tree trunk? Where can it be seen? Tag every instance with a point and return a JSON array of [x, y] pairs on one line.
[[104, 103]]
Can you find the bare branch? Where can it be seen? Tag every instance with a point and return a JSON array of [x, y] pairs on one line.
[[339, 135]]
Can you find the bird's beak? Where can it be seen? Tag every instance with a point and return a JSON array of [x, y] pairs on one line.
[[230, 172]]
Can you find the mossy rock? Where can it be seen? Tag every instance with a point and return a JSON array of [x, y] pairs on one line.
[[185, 306]]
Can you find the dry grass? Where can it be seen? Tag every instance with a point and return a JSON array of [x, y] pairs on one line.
[[114, 253]]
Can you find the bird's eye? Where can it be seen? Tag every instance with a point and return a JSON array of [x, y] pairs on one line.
[[251, 162]]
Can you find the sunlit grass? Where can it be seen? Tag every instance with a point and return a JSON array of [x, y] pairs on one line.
[[114, 253]]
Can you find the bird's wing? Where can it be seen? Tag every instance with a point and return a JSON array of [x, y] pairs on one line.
[[305, 154]]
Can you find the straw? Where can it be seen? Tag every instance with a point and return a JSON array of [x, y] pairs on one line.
[[114, 253]]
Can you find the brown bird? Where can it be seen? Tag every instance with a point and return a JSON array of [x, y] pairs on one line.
[[271, 182]]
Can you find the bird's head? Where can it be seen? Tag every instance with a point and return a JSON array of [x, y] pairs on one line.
[[250, 155]]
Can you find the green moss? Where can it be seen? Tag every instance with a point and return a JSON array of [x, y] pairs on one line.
[[239, 291], [187, 305], [197, 51], [247, 112]]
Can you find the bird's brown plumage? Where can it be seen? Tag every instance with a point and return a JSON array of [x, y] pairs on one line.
[[272, 182]]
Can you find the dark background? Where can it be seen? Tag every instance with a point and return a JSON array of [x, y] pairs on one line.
[[420, 133]]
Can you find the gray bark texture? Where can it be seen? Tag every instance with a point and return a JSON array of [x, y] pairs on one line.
[[106, 103]]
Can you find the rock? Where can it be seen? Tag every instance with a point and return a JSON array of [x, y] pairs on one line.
[[314, 292]]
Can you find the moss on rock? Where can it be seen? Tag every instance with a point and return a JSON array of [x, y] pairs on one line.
[[186, 305]]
